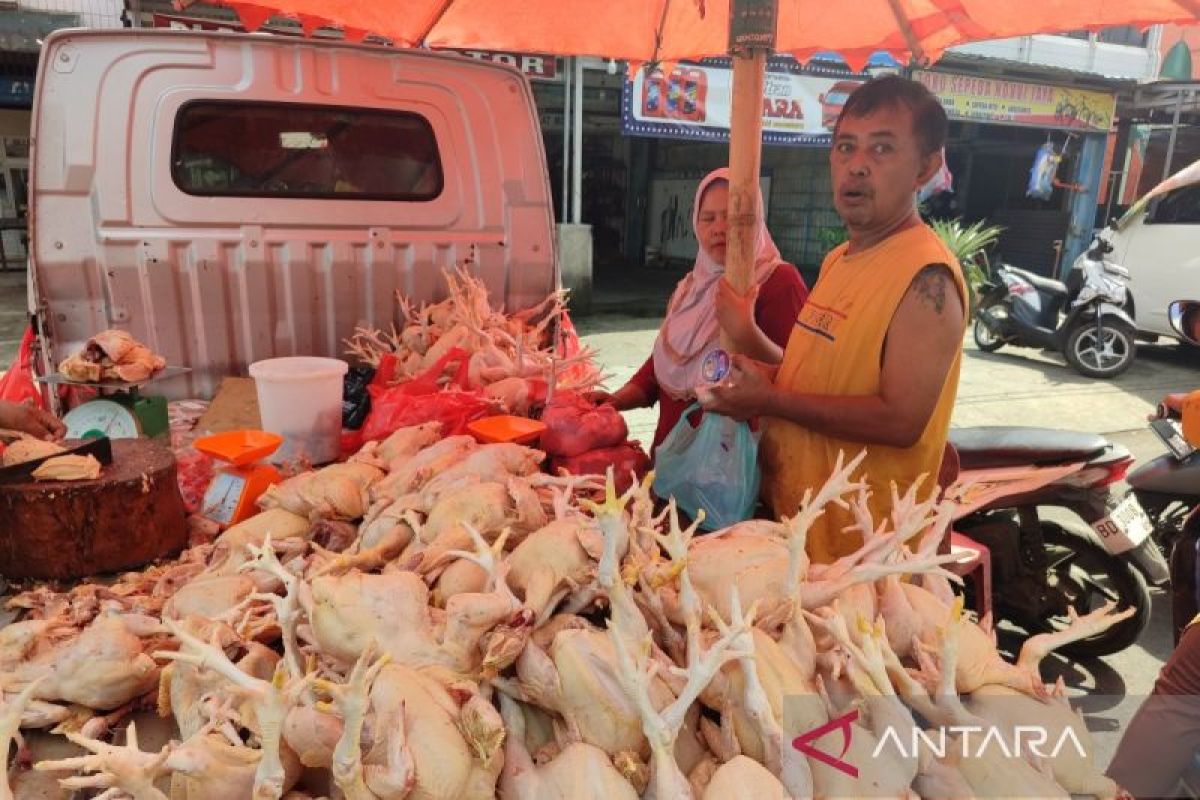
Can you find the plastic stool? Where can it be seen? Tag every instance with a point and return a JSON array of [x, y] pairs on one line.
[[978, 568]]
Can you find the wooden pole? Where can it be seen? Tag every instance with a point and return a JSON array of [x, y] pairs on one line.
[[745, 162], [751, 38]]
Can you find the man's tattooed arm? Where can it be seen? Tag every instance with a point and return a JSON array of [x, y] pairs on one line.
[[933, 284]]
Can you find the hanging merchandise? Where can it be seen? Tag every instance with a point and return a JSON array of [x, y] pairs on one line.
[[1043, 172], [942, 181]]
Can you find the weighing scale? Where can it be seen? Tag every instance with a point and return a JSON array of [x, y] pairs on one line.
[[121, 411], [232, 495]]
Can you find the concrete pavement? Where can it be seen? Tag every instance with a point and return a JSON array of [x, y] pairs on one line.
[[1014, 386]]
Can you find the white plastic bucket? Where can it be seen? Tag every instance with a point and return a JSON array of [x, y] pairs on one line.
[[300, 398]]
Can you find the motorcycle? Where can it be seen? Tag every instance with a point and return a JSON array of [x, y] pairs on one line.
[[1084, 318], [1168, 487], [1042, 570]]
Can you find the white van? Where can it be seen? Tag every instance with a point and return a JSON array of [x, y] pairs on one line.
[[228, 197], [1161, 250]]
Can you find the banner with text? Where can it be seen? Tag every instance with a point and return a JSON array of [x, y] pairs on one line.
[[535, 66], [978, 99], [693, 101]]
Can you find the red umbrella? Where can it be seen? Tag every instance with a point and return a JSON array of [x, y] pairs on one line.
[[671, 30]]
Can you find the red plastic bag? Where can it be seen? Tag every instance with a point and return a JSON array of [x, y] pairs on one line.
[[574, 426], [423, 399], [17, 385], [627, 459], [394, 409]]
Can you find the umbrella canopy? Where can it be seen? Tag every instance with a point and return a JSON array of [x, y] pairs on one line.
[[671, 30]]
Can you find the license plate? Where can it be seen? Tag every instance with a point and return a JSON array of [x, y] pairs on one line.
[[1125, 528]]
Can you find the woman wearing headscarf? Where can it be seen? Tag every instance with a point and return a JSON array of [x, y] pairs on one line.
[[758, 323]]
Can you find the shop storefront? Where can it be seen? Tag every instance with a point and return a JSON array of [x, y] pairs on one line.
[[21, 34], [997, 128], [680, 119]]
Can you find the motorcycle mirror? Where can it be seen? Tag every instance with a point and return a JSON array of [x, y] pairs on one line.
[[1184, 316]]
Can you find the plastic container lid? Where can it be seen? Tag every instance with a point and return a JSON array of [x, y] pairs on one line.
[[298, 368], [506, 428]]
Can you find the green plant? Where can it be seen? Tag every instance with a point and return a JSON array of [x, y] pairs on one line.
[[830, 237], [969, 243]]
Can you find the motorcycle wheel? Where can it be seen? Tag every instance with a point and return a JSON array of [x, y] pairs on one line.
[[1088, 577], [985, 339], [1103, 356]]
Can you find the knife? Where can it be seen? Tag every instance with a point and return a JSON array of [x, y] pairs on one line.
[[100, 447]]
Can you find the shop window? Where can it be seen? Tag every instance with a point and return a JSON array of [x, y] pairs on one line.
[[235, 149], [1128, 35], [1180, 207]]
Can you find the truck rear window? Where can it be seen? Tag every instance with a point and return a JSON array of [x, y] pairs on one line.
[[236, 149]]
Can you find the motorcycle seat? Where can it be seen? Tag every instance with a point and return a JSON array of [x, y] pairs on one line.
[[1011, 446], [1041, 283]]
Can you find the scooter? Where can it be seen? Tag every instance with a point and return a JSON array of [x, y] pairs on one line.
[[1041, 570], [1168, 487], [1084, 318]]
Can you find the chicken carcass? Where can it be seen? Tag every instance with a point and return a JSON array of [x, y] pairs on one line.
[[112, 355], [104, 667], [579, 772], [27, 449], [339, 491], [417, 746], [349, 611], [68, 468]]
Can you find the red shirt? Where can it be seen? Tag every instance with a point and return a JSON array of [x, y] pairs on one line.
[[780, 299]]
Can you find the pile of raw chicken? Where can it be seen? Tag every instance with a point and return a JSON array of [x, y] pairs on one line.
[[508, 357], [437, 619]]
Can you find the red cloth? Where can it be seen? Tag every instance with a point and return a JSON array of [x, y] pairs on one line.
[[779, 302]]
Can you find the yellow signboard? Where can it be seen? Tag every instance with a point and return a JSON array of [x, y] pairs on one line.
[[981, 99]]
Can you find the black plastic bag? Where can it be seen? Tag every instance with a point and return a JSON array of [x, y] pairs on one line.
[[356, 401]]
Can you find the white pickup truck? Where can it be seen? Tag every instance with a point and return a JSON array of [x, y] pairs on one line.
[[228, 197]]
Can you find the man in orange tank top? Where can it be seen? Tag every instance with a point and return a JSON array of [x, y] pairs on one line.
[[874, 357]]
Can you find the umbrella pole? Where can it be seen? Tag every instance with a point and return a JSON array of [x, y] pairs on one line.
[[745, 163], [751, 38]]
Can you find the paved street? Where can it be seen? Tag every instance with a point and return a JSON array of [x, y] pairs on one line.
[[1014, 387]]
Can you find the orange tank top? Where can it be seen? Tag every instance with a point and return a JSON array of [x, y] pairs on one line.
[[835, 349]]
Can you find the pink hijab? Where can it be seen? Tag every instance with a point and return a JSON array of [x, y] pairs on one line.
[[690, 330]]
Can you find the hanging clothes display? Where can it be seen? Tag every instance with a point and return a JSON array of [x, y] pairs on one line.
[[942, 181]]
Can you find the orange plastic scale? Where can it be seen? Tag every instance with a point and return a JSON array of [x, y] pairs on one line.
[[505, 428], [232, 495]]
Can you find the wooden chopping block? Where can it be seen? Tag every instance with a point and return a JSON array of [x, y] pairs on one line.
[[131, 515]]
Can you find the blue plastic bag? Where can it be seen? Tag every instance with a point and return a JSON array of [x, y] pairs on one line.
[[712, 466], [1042, 173]]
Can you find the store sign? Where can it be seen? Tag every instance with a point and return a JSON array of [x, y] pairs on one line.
[[978, 99], [535, 66], [800, 105]]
